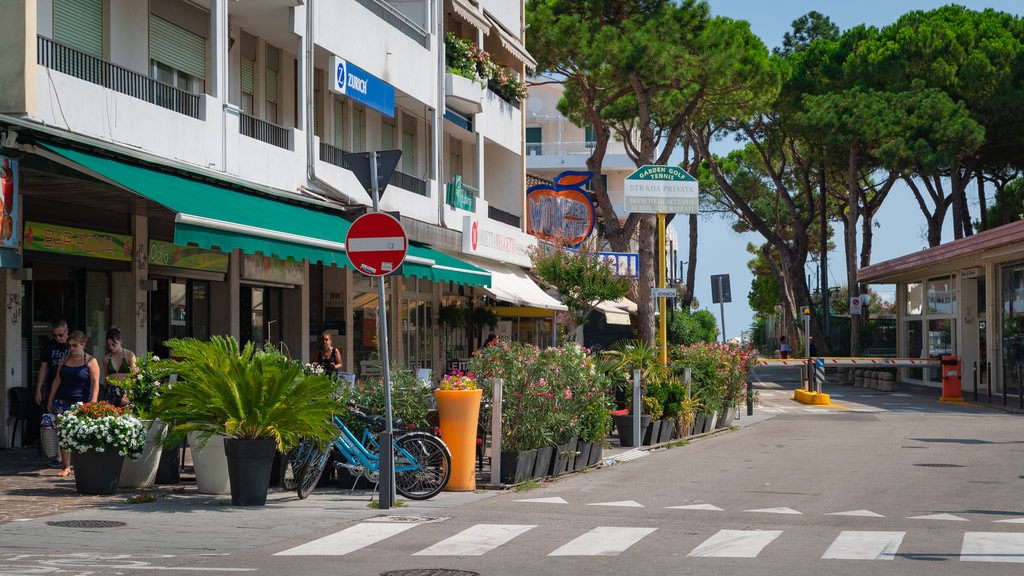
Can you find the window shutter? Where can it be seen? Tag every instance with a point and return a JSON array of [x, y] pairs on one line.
[[79, 24], [176, 47], [357, 130], [387, 136], [408, 153], [248, 76], [339, 124]]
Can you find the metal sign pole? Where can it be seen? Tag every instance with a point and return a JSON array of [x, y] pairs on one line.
[[638, 408], [387, 464]]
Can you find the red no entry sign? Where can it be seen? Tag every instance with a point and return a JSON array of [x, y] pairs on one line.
[[376, 244]]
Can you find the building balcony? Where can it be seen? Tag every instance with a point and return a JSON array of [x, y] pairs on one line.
[[501, 122], [463, 94]]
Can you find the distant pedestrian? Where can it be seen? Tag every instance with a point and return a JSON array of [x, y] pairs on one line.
[[118, 363], [784, 349], [77, 380], [492, 339], [55, 350], [811, 348], [327, 358]]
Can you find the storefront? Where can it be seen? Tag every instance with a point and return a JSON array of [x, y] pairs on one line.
[[964, 298]]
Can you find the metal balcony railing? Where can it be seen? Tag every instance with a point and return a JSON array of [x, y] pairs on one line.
[[263, 131], [67, 60], [560, 148], [410, 183], [331, 154], [502, 216]]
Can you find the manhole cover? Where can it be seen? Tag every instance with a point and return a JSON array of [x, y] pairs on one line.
[[941, 465], [86, 524], [430, 572]]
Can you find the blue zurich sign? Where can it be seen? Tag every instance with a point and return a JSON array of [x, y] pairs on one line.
[[361, 86]]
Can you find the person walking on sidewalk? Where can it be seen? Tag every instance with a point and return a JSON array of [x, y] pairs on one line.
[[55, 350], [77, 380]]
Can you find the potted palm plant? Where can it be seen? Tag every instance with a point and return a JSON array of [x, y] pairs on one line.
[[622, 360], [257, 398]]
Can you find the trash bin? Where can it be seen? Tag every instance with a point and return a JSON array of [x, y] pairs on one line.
[[951, 387]]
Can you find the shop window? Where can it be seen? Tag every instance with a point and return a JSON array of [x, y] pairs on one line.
[[942, 295]]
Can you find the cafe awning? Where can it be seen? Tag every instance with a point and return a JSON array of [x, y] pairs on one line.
[[212, 216], [511, 284]]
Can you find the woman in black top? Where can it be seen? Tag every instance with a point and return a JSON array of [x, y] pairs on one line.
[[328, 358]]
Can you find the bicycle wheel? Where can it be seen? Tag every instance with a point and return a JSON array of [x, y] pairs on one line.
[[423, 465], [312, 468], [291, 467]]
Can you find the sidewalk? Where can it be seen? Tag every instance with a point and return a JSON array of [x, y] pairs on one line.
[[29, 488]]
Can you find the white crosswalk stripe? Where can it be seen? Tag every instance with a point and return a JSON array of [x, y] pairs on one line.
[[992, 547], [735, 544], [603, 541], [476, 540], [479, 539], [860, 545], [349, 539]]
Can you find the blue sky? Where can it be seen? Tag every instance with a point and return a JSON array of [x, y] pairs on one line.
[[900, 223]]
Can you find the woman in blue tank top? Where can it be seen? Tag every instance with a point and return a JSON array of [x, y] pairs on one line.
[[77, 380]]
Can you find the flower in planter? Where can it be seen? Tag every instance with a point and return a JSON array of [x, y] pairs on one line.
[[458, 380], [98, 426], [143, 386]]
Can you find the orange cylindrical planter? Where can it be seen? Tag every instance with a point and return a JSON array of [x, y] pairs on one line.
[[458, 412]]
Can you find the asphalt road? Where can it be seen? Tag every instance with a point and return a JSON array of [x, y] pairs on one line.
[[880, 483]]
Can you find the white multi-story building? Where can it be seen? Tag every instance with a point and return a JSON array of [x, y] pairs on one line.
[[177, 169]]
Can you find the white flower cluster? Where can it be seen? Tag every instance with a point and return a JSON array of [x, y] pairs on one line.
[[125, 432]]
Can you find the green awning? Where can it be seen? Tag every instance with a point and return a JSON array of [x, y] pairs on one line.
[[216, 217], [448, 268]]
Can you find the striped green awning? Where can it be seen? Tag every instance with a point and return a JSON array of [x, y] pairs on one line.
[[218, 217]]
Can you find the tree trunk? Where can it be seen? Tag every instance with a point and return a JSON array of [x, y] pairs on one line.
[[648, 264], [850, 242]]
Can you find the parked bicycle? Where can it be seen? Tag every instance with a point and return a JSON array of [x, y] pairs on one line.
[[422, 461]]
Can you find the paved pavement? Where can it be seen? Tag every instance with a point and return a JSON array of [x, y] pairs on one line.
[[30, 489]]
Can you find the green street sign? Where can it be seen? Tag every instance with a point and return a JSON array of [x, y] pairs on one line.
[[661, 190]]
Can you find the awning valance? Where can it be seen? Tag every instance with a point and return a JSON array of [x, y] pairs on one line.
[[471, 15], [216, 217], [511, 284], [512, 44], [613, 312]]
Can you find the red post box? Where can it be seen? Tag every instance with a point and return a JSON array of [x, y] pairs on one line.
[[951, 386]]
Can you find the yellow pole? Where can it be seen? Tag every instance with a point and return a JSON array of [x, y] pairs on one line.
[[661, 284]]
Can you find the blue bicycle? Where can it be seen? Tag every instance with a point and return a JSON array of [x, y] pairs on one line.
[[422, 461]]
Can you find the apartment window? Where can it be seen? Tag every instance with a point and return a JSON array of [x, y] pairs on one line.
[[177, 56], [409, 145], [454, 158], [339, 123], [272, 82], [534, 141], [590, 137], [358, 117], [387, 135], [248, 73], [79, 24]]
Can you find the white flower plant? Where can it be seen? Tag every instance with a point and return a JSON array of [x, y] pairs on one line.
[[98, 426]]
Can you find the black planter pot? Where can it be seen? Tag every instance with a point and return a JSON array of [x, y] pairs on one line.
[[564, 456], [651, 432], [517, 467], [542, 463], [582, 454], [97, 473], [596, 452], [168, 471], [624, 425], [249, 466]]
